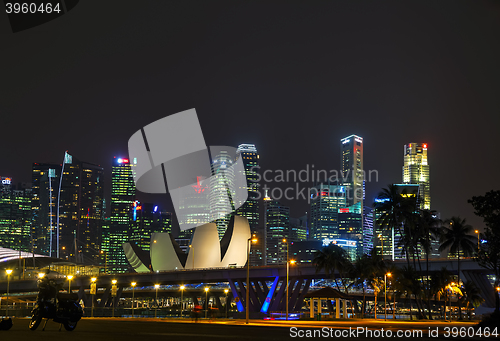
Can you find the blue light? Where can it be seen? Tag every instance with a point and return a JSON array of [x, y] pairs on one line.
[[120, 160], [155, 209], [269, 297], [382, 200]]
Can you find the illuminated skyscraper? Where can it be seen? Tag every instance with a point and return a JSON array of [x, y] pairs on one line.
[[326, 200], [416, 171], [15, 216], [250, 209], [277, 225], [68, 210], [220, 185], [122, 201], [351, 150], [148, 219]]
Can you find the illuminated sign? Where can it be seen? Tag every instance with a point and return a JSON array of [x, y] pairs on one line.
[[382, 200], [6, 181], [343, 210], [339, 242], [155, 209], [357, 139], [120, 160], [346, 141]]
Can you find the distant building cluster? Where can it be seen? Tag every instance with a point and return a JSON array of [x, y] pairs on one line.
[[62, 213]]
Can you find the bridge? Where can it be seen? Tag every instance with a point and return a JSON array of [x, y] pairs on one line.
[[267, 290]]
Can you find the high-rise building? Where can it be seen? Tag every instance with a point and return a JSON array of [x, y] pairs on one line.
[[68, 209], [277, 224], [122, 201], [367, 230], [250, 209], [351, 227], [15, 216], [351, 151], [326, 200], [416, 171], [298, 229], [147, 219], [388, 240], [221, 182]]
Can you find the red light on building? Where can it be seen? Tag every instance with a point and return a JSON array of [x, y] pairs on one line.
[[425, 145], [343, 210], [139, 208], [125, 161]]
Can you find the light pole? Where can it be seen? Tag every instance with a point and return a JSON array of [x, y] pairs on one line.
[[477, 232], [133, 297], [182, 296], [385, 292], [70, 277], [113, 294], [192, 248], [226, 291], [8, 271], [247, 292], [156, 300], [206, 301], [92, 292]]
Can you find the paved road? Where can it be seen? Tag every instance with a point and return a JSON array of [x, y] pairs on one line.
[[122, 329]]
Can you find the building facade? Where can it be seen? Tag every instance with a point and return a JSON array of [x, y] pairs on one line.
[[326, 200], [277, 225], [416, 171]]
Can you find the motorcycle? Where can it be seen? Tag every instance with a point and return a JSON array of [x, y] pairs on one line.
[[60, 307]]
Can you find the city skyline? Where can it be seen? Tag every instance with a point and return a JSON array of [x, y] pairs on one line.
[[292, 87]]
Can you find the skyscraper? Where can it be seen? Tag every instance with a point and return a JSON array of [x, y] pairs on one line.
[[220, 185], [277, 224], [326, 200], [122, 200], [68, 209], [351, 150], [15, 216], [416, 171], [367, 230], [147, 219], [250, 209]]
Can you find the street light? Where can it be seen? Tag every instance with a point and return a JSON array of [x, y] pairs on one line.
[[287, 272], [133, 296], [182, 296], [114, 281], [70, 277], [385, 292], [477, 232], [156, 287], [8, 271], [226, 291], [206, 301], [247, 293], [192, 247], [92, 291]]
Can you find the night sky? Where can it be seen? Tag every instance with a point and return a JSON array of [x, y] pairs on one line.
[[291, 77]]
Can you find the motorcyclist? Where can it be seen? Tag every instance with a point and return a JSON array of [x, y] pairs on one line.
[[48, 288]]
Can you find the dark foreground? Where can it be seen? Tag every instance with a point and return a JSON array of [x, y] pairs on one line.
[[122, 329]]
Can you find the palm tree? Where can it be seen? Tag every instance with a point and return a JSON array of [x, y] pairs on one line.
[[406, 280], [360, 273], [472, 296], [458, 240], [439, 281], [331, 258], [428, 224]]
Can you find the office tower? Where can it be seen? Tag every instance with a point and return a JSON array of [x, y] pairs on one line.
[[104, 250], [15, 216], [250, 209], [298, 229], [326, 200], [122, 200], [388, 240], [367, 230], [277, 223], [147, 219], [416, 171], [350, 246], [68, 210], [351, 227], [45, 184], [221, 183], [351, 150]]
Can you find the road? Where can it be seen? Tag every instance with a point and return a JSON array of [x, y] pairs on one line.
[[123, 329]]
